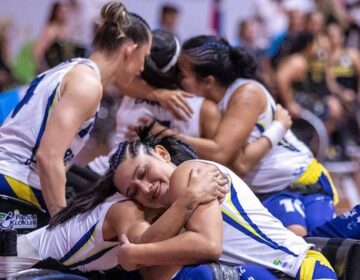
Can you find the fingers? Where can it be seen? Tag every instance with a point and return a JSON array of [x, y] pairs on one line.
[[182, 103], [124, 239]]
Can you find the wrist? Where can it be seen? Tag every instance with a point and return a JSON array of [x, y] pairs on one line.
[[187, 202], [155, 95], [275, 132]]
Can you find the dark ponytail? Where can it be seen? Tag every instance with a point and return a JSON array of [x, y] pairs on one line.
[[211, 55], [244, 64], [85, 201]]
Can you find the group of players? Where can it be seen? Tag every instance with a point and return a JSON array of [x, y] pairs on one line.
[[158, 208]]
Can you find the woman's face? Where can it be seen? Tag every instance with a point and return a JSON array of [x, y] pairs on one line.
[[188, 79], [145, 178], [335, 35], [133, 63]]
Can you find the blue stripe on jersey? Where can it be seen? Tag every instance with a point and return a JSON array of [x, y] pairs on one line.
[[29, 93], [92, 258], [266, 240], [78, 244], [286, 144], [5, 188], [43, 123], [260, 127], [85, 131]]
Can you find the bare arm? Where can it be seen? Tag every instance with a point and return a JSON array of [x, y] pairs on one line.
[[202, 186], [245, 106], [202, 242], [81, 93], [210, 118], [251, 154], [45, 40], [292, 69], [172, 100]]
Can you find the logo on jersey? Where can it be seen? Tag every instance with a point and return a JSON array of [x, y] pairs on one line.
[[15, 220], [277, 261], [69, 155]]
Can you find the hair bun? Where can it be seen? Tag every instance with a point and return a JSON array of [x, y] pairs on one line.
[[116, 13]]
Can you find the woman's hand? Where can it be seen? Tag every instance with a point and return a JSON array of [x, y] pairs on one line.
[[208, 183], [175, 102], [157, 128], [283, 116], [295, 109], [124, 255]]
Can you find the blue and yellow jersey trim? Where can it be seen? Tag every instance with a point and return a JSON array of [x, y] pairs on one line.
[[238, 218], [14, 188], [315, 266], [71, 260], [317, 174]]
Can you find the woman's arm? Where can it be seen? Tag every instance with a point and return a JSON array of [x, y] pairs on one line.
[[291, 70], [203, 185], [42, 44], [251, 154], [210, 118], [201, 243], [81, 93], [245, 106], [172, 100]]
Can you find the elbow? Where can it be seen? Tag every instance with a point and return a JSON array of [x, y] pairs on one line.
[[214, 251], [45, 158], [243, 169], [222, 158]]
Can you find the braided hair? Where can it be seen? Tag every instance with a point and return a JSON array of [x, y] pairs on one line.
[[93, 196]]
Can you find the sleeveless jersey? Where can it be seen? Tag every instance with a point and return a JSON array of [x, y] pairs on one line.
[[285, 162], [345, 71], [252, 235], [131, 109], [78, 243], [21, 133]]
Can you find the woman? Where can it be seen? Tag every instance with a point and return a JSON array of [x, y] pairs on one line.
[[276, 165], [85, 235], [159, 72], [53, 121], [245, 234], [147, 172], [55, 31]]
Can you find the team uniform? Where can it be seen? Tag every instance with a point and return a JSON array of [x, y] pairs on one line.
[[78, 243], [288, 178], [21, 134], [253, 236], [131, 109]]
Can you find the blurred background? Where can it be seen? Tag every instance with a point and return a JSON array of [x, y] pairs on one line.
[[308, 49]]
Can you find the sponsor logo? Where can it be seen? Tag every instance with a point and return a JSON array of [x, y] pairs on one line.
[[15, 220], [277, 261]]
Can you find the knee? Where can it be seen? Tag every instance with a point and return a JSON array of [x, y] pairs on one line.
[[298, 230]]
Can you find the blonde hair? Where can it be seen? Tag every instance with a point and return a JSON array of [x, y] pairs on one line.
[[117, 25]]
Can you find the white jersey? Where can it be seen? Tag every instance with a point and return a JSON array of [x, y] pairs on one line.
[[21, 134], [252, 235], [78, 243], [285, 162], [131, 109]]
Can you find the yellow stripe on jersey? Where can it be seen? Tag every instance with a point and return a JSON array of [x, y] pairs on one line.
[[316, 173], [237, 217], [55, 99], [308, 266], [73, 259], [23, 191]]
